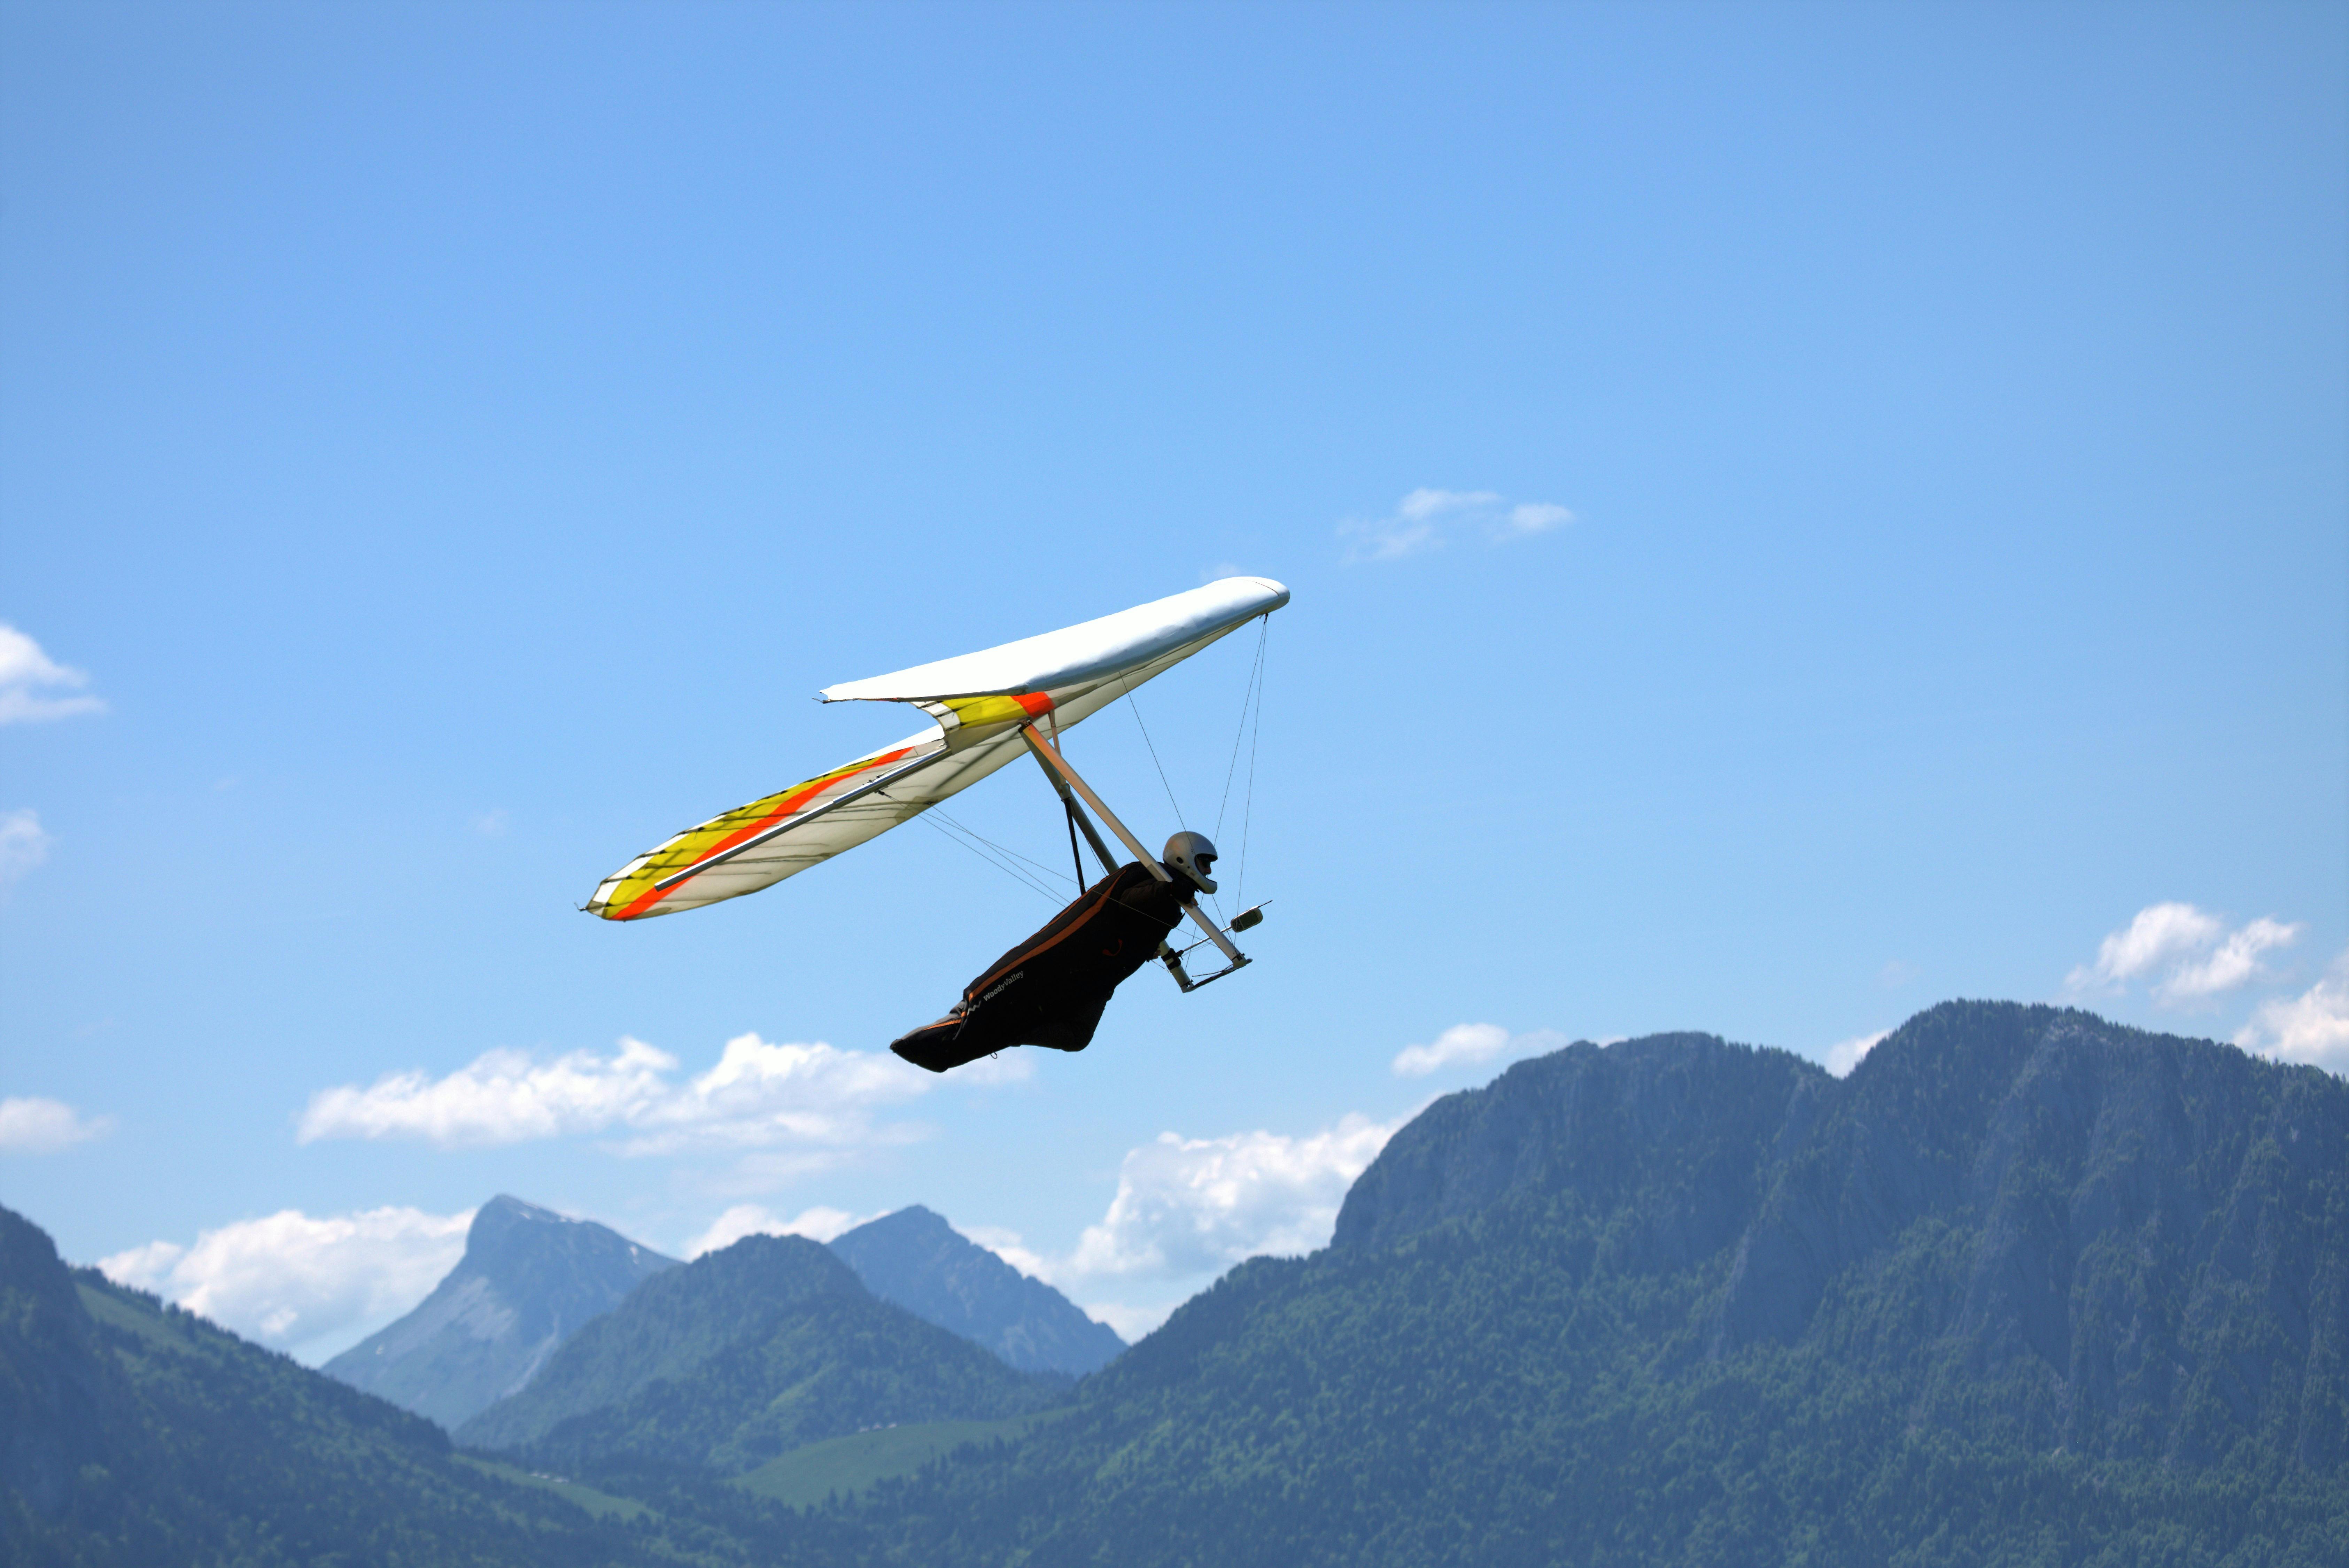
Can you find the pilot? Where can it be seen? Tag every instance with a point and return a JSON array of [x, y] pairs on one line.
[[1050, 989]]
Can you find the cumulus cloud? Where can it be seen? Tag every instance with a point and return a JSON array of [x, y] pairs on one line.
[[758, 1095], [36, 1126], [1198, 1205], [1425, 519], [289, 1280], [1843, 1054], [33, 688], [502, 1097], [23, 843], [1007, 1245], [2313, 1026], [2183, 953], [1188, 1208], [817, 1224], [1472, 1042]]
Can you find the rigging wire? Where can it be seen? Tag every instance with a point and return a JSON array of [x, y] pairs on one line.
[[1247, 699], [1153, 750], [963, 827], [1000, 856], [1247, 807]]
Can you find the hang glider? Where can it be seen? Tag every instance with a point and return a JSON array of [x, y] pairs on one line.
[[989, 707]]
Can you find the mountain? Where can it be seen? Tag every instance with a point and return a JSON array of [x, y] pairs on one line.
[[739, 1355], [528, 1280], [917, 1260], [2026, 1286], [134, 1434]]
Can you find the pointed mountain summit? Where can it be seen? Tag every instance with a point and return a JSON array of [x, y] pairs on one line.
[[530, 1279], [917, 1260]]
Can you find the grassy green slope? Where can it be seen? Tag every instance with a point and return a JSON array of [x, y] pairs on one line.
[[843, 1468]]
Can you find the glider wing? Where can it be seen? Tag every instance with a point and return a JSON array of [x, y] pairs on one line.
[[980, 701]]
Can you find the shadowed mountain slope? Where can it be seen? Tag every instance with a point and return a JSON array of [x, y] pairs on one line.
[[917, 1260], [135, 1434], [2026, 1286], [740, 1356], [528, 1280]]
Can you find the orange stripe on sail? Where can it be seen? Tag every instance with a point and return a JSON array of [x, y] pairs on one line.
[[791, 804]]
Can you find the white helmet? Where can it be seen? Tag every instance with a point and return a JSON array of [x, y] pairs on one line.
[[1194, 856]]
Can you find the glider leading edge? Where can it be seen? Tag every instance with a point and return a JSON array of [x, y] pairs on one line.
[[989, 707]]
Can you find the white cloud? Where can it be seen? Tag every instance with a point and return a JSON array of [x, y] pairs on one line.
[[1425, 519], [2185, 953], [289, 1280], [1843, 1054], [2161, 933], [817, 1224], [758, 1096], [2313, 1026], [1472, 1042], [502, 1097], [1538, 517], [1187, 1209], [1134, 1321], [1006, 1244], [2236, 961], [31, 684], [23, 843], [1198, 1205], [36, 1126]]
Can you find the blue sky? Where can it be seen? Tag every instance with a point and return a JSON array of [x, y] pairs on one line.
[[443, 448]]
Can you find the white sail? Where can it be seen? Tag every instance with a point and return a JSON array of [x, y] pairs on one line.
[[978, 701]]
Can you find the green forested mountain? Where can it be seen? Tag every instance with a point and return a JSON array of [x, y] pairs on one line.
[[528, 1280], [2027, 1287], [138, 1435], [747, 1352], [917, 1260]]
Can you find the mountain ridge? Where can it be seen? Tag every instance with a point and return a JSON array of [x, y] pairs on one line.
[[2027, 1286], [739, 1355], [529, 1279], [913, 1258], [1561, 1320]]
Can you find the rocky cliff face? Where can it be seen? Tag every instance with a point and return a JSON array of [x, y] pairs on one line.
[[2141, 1244], [2114, 1243], [917, 1260], [1676, 1131], [530, 1279]]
